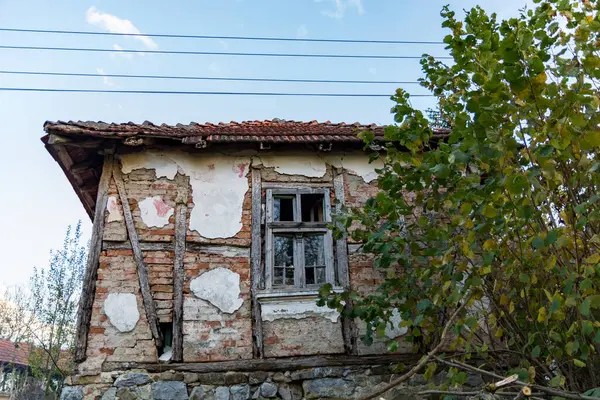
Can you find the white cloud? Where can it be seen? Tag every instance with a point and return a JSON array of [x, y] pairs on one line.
[[115, 24], [341, 6], [302, 32], [373, 71], [105, 79], [120, 53]]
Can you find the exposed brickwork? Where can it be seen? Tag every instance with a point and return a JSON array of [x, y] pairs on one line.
[[306, 336], [116, 274], [209, 334]]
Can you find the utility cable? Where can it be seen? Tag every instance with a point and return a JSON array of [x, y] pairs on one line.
[[204, 78], [259, 38], [215, 53], [59, 90]]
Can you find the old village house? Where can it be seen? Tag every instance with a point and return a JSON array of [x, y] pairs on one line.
[[209, 245]]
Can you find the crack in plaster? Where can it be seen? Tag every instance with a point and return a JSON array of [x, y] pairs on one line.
[[220, 287]]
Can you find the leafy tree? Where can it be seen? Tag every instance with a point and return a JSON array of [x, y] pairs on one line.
[[500, 220], [55, 297]]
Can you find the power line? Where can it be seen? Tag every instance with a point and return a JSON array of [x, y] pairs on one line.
[[260, 38], [205, 78], [214, 53], [58, 90]]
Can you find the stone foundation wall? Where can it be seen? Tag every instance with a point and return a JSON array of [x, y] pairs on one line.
[[310, 383]]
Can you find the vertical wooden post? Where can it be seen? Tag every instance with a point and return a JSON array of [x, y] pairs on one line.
[[341, 248], [139, 260], [88, 292], [178, 266], [256, 273]]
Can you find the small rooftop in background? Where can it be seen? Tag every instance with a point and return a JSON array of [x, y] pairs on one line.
[[14, 353]]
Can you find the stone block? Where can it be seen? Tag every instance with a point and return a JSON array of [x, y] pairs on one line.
[[132, 379], [290, 391], [239, 392], [257, 377], [328, 387], [109, 394], [268, 389], [169, 390], [72, 393]]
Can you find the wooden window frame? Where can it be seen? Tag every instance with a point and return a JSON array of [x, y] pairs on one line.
[[299, 230]]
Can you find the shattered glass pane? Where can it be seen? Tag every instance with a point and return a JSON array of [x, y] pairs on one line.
[[284, 251], [289, 276], [278, 276], [320, 275], [314, 252]]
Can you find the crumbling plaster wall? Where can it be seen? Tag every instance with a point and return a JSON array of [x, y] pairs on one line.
[[219, 210]]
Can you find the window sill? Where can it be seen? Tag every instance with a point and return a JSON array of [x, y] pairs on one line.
[[295, 293]]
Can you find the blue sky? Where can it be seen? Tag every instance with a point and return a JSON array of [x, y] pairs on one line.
[[36, 201]]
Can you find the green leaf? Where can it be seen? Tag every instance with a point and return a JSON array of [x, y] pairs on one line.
[[535, 352], [537, 242], [551, 237], [578, 363], [489, 211]]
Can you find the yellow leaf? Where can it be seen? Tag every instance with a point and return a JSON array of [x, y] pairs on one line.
[[489, 244], [593, 259], [540, 78], [511, 307], [504, 300], [469, 224], [542, 316]]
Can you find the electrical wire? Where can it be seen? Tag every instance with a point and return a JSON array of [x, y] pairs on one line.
[[59, 90], [258, 38], [214, 53], [204, 78]]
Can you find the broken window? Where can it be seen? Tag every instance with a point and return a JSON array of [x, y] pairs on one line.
[[299, 251]]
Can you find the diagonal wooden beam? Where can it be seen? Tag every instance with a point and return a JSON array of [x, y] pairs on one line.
[[88, 292], [178, 266], [139, 260]]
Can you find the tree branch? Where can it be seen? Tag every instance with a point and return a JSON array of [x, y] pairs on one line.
[[550, 391], [423, 360]]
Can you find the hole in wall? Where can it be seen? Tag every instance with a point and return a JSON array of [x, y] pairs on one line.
[[166, 353]]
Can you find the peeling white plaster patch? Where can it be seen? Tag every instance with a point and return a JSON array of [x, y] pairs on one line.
[[356, 164], [219, 184], [162, 163], [393, 328], [155, 212], [122, 311], [220, 287], [296, 309], [306, 165], [114, 212]]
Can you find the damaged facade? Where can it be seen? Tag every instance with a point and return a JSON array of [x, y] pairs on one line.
[[210, 243]]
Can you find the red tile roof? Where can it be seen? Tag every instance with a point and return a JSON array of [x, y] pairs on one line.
[[248, 131], [14, 353]]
